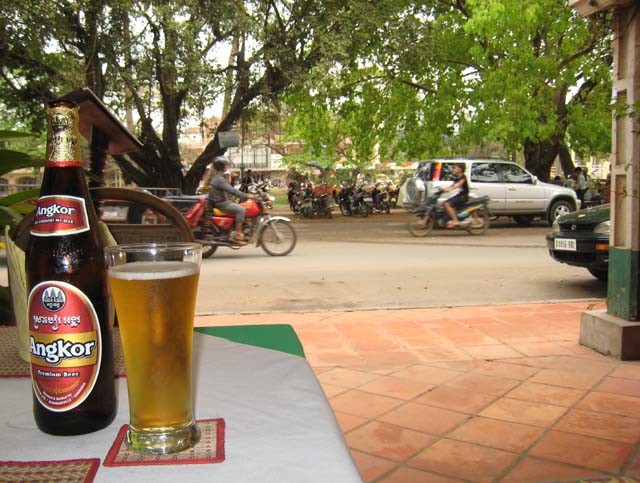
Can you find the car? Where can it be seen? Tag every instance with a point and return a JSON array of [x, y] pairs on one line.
[[121, 211], [513, 190], [581, 239]]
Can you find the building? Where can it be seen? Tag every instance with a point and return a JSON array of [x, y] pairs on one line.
[[19, 180]]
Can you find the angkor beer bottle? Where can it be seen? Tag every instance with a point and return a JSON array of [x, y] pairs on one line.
[[70, 331]]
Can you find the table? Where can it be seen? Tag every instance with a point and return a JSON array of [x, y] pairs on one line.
[[279, 425]]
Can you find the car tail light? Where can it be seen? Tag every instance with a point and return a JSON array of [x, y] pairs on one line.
[[436, 172]]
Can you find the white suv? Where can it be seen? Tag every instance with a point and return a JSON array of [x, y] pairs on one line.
[[513, 190]]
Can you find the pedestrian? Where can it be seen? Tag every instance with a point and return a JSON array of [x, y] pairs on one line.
[[582, 185], [247, 180]]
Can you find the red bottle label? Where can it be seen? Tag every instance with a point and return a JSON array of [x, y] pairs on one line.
[[65, 345], [60, 215]]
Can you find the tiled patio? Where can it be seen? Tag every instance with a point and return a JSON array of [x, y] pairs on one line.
[[472, 394]]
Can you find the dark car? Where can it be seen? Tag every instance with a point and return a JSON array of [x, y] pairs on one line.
[[581, 239]]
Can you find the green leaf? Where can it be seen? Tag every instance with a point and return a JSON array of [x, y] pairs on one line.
[[11, 160], [7, 135], [9, 217], [19, 197]]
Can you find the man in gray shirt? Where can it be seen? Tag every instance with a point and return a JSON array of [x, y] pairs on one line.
[[220, 187]]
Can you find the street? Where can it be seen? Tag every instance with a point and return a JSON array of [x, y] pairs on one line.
[[372, 263]]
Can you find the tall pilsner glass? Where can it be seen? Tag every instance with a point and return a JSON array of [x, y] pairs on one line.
[[154, 287]]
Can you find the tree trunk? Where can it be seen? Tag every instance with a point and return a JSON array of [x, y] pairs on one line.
[[566, 163], [539, 157]]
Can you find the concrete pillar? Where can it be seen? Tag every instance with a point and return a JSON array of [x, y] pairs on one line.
[[617, 332], [625, 170]]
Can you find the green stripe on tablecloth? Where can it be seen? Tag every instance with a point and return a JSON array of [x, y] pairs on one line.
[[280, 337]]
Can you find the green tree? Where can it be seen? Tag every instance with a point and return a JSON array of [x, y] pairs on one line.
[[434, 77], [159, 61]]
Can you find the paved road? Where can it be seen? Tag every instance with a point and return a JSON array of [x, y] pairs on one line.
[[355, 264]]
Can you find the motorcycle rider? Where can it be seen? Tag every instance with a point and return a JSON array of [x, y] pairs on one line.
[[218, 197], [460, 198]]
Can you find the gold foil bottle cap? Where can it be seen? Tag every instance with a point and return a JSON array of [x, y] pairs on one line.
[[63, 146]]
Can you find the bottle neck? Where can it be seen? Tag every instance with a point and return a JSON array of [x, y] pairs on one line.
[[63, 146]]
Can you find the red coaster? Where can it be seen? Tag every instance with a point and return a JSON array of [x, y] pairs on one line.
[[210, 449], [64, 471]]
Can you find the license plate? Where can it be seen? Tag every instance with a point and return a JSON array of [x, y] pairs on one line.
[[566, 244], [368, 199], [115, 213]]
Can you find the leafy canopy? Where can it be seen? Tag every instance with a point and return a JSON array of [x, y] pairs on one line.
[[434, 77]]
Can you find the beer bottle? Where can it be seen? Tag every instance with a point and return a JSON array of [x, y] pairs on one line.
[[70, 328]]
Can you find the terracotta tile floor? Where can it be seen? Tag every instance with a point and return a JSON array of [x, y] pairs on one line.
[[495, 394]]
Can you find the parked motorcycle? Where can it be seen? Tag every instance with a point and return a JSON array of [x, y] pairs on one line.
[[352, 202], [316, 200], [215, 228], [306, 203], [295, 198], [380, 201], [473, 216], [393, 192]]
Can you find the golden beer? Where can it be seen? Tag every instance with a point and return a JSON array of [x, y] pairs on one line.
[[155, 303]]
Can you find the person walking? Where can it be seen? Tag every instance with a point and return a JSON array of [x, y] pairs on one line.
[[582, 184]]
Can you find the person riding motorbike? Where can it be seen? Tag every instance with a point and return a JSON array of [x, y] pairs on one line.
[[218, 197], [460, 198]]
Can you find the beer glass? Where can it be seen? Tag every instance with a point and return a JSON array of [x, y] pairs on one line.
[[153, 287]]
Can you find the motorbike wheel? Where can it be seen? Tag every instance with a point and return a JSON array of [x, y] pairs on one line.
[[345, 211], [327, 212], [307, 211], [421, 226], [387, 208], [363, 210], [208, 250], [479, 223], [278, 238]]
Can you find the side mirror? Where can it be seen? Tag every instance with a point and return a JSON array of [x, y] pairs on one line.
[[534, 180]]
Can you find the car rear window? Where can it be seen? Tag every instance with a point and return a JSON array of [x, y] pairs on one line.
[[484, 173], [436, 171]]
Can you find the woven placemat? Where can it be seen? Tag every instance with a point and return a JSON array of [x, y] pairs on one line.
[[210, 449], [63, 471], [11, 365]]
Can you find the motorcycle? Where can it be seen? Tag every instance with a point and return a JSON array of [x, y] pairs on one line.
[[393, 192], [380, 202], [295, 198], [306, 203], [473, 216], [317, 201], [352, 202], [215, 228]]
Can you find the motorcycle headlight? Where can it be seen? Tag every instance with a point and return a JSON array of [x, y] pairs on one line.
[[556, 225], [603, 228]]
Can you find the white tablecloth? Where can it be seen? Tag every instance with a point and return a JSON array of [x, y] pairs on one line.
[[279, 426]]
